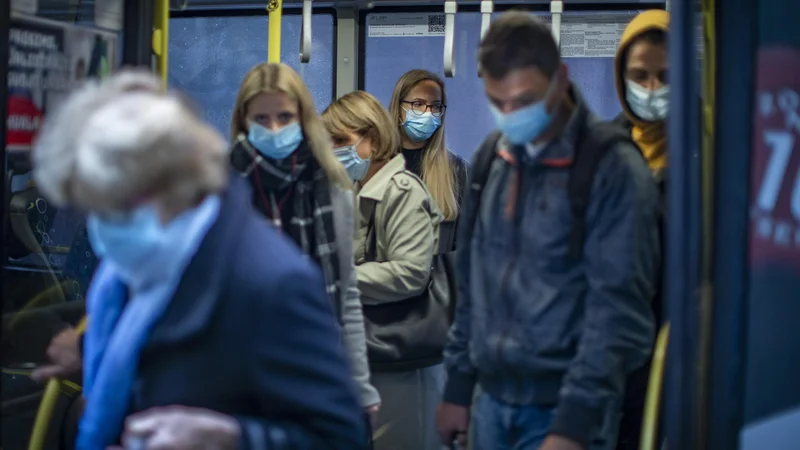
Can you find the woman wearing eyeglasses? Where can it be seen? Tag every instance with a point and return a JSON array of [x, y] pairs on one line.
[[418, 105]]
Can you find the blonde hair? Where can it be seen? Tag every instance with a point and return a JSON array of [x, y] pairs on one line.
[[361, 113], [269, 78], [116, 141], [437, 174]]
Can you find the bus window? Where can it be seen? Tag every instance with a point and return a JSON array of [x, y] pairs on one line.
[[395, 44], [209, 56], [47, 260]]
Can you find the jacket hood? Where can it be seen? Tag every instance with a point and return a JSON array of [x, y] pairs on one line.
[[654, 19]]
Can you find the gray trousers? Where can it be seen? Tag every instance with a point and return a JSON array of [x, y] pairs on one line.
[[407, 418]]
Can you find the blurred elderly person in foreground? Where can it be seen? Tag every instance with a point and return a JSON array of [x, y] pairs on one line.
[[183, 309]]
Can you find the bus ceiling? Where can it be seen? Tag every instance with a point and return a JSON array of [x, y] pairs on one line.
[[369, 4]]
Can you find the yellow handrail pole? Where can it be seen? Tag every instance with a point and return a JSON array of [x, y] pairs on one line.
[[48, 405], [275, 8], [160, 39], [652, 407]]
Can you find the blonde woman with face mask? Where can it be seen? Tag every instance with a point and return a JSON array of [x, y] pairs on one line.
[[419, 106], [281, 148], [397, 237]]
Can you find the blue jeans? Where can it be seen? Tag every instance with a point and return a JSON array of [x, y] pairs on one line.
[[500, 426]]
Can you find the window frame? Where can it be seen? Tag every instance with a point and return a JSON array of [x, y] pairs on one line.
[[193, 13], [534, 8]]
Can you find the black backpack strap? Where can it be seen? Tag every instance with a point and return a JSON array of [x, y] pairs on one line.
[[479, 172], [594, 142]]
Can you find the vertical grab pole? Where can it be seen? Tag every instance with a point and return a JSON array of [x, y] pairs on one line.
[[275, 9], [681, 255], [556, 9], [305, 38], [44, 415], [450, 8], [161, 38], [305, 33], [487, 8]]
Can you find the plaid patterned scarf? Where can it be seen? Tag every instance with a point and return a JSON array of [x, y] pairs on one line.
[[311, 225]]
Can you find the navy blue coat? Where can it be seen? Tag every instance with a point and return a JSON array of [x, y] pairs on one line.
[[251, 333]]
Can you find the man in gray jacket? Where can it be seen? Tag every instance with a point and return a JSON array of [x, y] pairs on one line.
[[548, 330]]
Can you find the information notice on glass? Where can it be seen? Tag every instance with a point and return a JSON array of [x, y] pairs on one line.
[[591, 35], [405, 25], [48, 59]]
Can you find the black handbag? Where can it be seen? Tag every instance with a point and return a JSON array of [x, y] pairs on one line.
[[408, 334]]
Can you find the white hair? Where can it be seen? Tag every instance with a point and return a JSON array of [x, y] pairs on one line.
[[121, 139]]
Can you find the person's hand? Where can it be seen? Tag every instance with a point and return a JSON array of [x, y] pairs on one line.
[[372, 412], [64, 354], [181, 428], [553, 442], [452, 422]]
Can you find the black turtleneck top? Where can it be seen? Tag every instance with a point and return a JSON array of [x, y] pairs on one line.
[[414, 160]]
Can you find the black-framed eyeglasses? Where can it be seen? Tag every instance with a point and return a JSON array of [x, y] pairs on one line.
[[419, 108]]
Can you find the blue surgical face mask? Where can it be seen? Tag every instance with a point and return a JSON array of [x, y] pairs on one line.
[[648, 105], [355, 165], [420, 127], [277, 144], [129, 241], [525, 124]]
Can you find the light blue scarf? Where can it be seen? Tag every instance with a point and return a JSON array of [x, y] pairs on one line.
[[117, 331]]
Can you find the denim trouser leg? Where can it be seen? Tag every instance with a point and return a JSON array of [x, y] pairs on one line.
[[499, 426], [490, 423], [531, 426]]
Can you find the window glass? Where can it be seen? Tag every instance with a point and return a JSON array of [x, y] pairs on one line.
[[589, 42], [209, 57], [48, 261], [771, 406]]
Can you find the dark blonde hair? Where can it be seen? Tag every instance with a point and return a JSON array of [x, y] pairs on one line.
[[279, 78], [361, 113]]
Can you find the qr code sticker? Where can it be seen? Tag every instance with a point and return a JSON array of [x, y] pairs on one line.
[[435, 23]]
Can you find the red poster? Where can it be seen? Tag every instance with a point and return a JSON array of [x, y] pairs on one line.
[[23, 121], [46, 61], [775, 172]]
